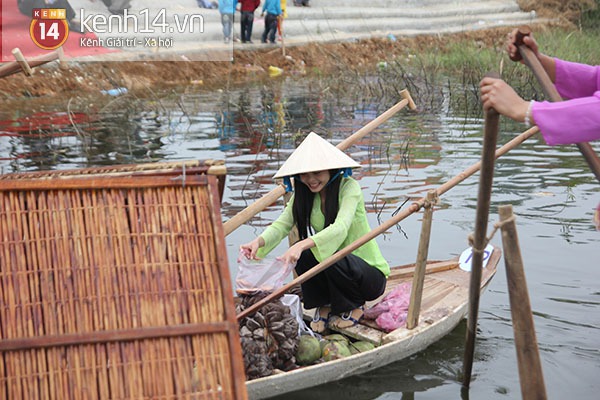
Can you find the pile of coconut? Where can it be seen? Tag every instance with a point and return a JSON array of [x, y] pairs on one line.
[[332, 347]]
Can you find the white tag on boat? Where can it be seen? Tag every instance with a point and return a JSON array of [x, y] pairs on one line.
[[464, 261]]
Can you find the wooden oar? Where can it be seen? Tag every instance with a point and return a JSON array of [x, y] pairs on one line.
[[13, 67], [551, 93], [486, 179], [244, 216], [414, 207]]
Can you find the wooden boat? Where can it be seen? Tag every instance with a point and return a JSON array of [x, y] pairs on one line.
[[444, 305]]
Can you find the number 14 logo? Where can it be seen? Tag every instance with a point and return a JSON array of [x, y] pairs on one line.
[[49, 30]]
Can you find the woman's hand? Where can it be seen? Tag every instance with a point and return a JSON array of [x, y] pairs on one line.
[[529, 41], [497, 94], [292, 254], [251, 248]]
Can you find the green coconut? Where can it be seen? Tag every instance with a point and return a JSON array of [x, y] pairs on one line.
[[336, 337], [309, 350], [335, 350], [360, 347]]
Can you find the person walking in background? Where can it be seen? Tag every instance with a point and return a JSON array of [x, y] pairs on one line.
[[273, 10], [247, 9], [572, 121], [227, 10], [281, 18]]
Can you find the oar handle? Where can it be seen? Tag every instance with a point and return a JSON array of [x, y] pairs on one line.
[[551, 93], [486, 180]]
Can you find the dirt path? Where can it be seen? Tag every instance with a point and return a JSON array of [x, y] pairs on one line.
[[248, 65]]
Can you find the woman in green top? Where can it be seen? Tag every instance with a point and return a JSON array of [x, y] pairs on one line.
[[329, 211]]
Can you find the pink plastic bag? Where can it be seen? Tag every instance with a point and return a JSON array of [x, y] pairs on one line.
[[390, 313], [260, 275]]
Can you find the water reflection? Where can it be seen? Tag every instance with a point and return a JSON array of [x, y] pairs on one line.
[[255, 128]]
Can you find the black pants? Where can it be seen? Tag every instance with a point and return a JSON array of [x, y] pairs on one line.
[[270, 28], [346, 285], [246, 24]]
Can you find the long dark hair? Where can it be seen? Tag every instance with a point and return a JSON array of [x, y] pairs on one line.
[[303, 202]]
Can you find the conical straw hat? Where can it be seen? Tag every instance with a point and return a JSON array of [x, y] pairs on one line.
[[315, 154]]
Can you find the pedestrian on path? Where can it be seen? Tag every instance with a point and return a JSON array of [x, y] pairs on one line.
[[247, 20], [227, 10], [273, 10], [281, 18]]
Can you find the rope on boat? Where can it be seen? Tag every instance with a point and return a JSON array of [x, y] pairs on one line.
[[497, 225]]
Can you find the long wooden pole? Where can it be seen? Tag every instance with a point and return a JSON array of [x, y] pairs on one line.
[[552, 94], [481, 222], [416, 293], [530, 366], [414, 207], [246, 214]]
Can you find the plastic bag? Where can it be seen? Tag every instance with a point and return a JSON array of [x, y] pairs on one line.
[[293, 303], [263, 275], [391, 312]]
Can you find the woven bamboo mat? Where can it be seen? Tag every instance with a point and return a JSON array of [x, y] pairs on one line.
[[116, 287], [175, 168]]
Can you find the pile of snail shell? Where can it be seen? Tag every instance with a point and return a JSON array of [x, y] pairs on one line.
[[269, 337]]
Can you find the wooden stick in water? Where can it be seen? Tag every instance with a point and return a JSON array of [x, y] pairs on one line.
[[246, 214], [528, 356], [486, 179], [552, 94], [416, 294]]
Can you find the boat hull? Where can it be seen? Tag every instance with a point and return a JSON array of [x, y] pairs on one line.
[[397, 345]]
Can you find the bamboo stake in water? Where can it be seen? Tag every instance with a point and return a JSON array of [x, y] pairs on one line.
[[416, 294], [530, 367], [246, 214], [481, 221]]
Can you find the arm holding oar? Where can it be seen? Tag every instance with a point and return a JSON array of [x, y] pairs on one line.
[[561, 122]]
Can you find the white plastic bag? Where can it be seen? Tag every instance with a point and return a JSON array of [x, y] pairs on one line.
[[293, 303], [260, 275]]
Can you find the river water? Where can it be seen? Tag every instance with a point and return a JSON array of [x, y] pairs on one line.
[[254, 128]]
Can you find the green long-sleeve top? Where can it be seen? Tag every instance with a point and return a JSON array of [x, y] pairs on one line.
[[350, 224]]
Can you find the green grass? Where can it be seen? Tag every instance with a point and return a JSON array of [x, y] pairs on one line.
[[576, 45], [573, 45]]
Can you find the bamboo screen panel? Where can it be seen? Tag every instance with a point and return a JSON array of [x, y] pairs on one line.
[[176, 168], [116, 288]]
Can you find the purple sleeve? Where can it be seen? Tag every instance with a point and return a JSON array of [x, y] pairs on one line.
[[575, 80], [576, 120]]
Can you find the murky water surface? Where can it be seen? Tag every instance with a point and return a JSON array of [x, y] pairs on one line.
[[255, 128]]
